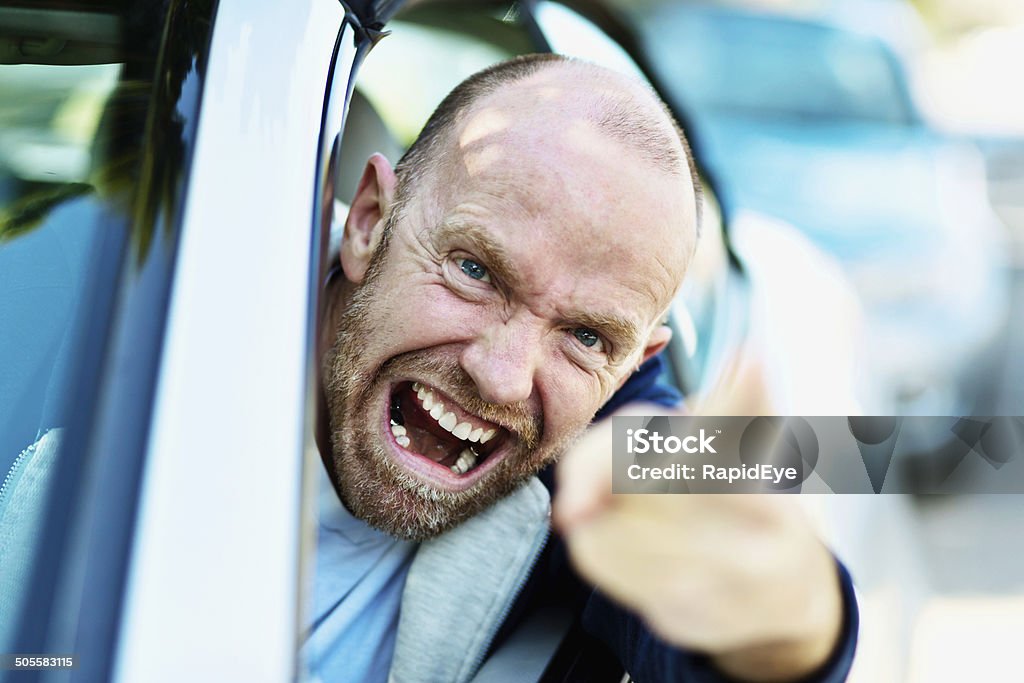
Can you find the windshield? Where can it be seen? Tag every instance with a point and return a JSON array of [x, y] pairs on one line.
[[751, 64]]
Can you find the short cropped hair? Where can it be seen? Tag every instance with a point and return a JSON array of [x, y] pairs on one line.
[[626, 122]]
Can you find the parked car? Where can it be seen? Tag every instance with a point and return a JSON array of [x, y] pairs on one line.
[[812, 121], [167, 203]]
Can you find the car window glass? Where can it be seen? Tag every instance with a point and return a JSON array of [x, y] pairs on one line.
[[49, 118], [73, 103]]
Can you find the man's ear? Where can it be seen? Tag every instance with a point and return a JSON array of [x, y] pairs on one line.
[[658, 340], [365, 223]]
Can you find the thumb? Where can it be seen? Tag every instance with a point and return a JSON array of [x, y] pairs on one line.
[[584, 475], [584, 479]]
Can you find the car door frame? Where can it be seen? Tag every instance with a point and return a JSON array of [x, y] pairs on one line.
[[216, 582]]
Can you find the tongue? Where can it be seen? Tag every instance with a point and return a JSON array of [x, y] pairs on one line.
[[426, 437]]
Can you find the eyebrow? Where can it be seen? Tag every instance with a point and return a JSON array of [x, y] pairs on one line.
[[624, 335], [622, 332], [483, 244]]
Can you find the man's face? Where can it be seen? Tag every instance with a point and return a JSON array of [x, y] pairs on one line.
[[517, 291]]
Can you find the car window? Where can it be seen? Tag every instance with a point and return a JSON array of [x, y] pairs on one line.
[[93, 155], [51, 217], [73, 104]]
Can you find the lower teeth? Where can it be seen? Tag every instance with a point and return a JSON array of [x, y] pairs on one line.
[[466, 461]]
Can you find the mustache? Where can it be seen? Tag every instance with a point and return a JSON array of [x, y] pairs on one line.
[[448, 376]]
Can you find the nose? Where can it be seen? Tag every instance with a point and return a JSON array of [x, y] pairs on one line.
[[502, 361]]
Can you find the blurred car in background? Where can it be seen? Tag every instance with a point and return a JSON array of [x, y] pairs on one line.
[[1004, 162], [812, 122]]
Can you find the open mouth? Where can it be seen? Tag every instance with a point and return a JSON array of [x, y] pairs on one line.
[[427, 423]]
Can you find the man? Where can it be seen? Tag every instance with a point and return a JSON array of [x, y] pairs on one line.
[[496, 290]]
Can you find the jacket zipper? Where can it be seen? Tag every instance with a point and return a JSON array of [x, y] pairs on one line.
[[537, 548], [8, 482]]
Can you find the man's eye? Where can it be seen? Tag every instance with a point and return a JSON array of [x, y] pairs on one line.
[[474, 269], [588, 338]]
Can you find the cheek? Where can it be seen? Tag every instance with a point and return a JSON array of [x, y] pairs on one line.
[[423, 314], [571, 399]]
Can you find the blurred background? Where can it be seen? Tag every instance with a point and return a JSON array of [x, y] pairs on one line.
[[889, 132]]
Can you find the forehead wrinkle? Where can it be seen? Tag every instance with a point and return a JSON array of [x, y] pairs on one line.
[[672, 275]]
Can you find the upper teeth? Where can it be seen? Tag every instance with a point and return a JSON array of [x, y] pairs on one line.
[[447, 419]]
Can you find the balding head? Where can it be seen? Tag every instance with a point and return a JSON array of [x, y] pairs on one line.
[[556, 95]]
